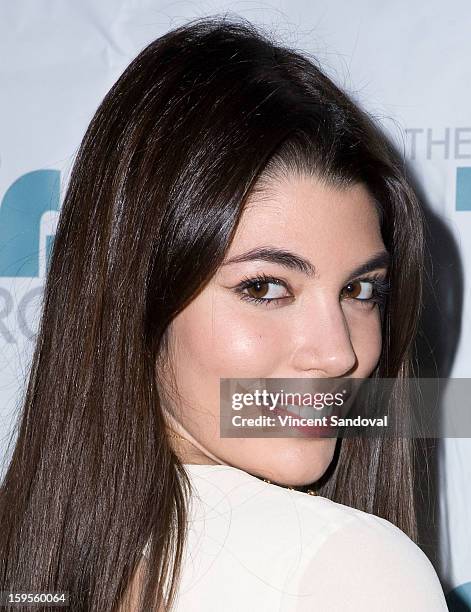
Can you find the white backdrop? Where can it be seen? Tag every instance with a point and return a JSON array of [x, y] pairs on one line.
[[407, 64]]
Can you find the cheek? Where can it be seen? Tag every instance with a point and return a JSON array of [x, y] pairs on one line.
[[220, 339], [366, 338]]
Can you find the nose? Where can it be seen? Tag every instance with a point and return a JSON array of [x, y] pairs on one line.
[[322, 341]]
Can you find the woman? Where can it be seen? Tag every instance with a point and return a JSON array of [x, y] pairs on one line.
[[231, 213]]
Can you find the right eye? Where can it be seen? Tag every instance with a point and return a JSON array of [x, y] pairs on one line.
[[263, 290]]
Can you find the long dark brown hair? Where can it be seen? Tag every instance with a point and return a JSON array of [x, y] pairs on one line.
[[192, 126]]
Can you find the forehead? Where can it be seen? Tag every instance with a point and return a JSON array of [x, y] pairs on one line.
[[302, 213]]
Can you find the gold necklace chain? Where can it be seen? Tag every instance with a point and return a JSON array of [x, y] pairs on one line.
[[309, 491]]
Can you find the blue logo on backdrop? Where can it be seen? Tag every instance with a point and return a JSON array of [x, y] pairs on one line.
[[445, 144], [463, 188], [23, 205], [459, 599]]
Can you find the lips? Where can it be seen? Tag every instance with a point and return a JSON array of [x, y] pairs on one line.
[[305, 412], [298, 400], [317, 431], [301, 408]]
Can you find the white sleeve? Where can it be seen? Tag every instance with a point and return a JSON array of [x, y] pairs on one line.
[[366, 566]]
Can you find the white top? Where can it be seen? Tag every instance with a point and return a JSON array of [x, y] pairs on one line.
[[254, 546]]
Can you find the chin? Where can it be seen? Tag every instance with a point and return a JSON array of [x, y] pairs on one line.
[[300, 466]]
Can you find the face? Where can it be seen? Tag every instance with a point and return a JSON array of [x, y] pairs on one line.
[[311, 320]]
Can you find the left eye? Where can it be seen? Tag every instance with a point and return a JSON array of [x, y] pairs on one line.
[[359, 290]]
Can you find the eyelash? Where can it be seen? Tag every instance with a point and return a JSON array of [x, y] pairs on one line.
[[381, 289]]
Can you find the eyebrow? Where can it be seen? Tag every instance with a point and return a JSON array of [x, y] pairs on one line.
[[292, 261]]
